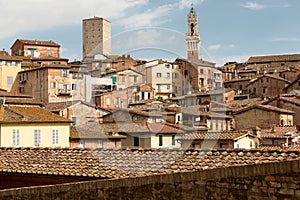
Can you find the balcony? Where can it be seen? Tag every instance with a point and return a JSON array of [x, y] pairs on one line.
[[64, 92]]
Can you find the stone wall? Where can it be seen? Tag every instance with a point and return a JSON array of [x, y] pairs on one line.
[[279, 180]]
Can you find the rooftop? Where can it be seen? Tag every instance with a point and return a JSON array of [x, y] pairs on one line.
[[279, 132], [225, 135], [38, 43], [128, 162], [274, 58], [18, 114]]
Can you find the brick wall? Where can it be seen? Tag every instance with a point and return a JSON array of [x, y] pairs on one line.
[[266, 181]]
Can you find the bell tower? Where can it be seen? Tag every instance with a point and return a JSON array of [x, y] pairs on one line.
[[193, 36]]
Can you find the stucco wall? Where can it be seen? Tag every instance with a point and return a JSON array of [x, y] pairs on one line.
[[26, 133]]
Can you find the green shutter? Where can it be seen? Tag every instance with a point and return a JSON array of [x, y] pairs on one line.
[[74, 121], [114, 79]]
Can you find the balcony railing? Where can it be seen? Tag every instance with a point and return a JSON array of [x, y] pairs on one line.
[[64, 92]]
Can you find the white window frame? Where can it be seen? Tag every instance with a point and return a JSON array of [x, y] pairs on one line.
[[81, 143], [64, 73], [37, 137], [107, 101], [100, 143], [15, 137], [54, 136], [10, 81]]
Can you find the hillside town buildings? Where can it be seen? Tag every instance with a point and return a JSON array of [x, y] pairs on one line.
[[150, 121], [116, 101]]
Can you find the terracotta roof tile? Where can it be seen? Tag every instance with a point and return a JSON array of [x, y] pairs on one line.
[[129, 162], [279, 132], [59, 106], [16, 114], [92, 131], [139, 127], [39, 42], [274, 58], [213, 136], [264, 107]]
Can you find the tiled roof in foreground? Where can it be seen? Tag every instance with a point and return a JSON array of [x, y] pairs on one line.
[[129, 162]]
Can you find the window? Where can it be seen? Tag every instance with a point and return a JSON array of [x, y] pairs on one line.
[[49, 52], [254, 90], [264, 90], [261, 80], [160, 140], [53, 85], [123, 63], [3, 62], [64, 73], [123, 78], [15, 137], [100, 144], [168, 87], [267, 80], [14, 63], [135, 79], [159, 88], [21, 90], [224, 145], [81, 144], [37, 137], [74, 86], [158, 75], [201, 71], [9, 81], [175, 75], [173, 140], [107, 101], [136, 141], [54, 136], [167, 75], [74, 120], [37, 74], [64, 88]]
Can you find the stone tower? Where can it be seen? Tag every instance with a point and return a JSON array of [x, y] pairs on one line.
[[96, 35], [193, 36]]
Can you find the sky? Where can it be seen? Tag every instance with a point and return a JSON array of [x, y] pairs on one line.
[[230, 30]]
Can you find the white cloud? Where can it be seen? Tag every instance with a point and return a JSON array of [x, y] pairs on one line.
[[22, 16], [253, 6], [147, 18], [214, 47], [144, 38], [154, 38], [257, 6], [187, 3], [286, 39], [231, 46]]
